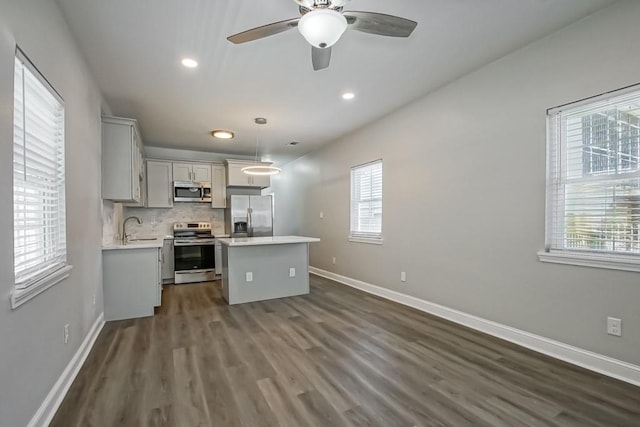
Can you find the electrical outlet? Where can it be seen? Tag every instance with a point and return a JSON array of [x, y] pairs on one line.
[[249, 276], [333, 260], [614, 326], [292, 272], [403, 276], [321, 214], [66, 333]]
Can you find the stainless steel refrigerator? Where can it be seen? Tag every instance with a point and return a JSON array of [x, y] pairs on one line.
[[250, 216]]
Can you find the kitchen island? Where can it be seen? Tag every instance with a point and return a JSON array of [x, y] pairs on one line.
[[261, 268]]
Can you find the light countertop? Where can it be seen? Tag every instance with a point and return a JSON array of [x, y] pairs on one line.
[[144, 243], [275, 240]]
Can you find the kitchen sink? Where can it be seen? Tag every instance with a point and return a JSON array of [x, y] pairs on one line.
[[145, 239]]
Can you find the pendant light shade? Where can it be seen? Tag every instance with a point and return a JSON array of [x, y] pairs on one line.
[[261, 170], [258, 169], [322, 27]]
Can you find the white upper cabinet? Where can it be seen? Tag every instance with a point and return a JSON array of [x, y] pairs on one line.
[[159, 184], [237, 178], [122, 161], [202, 173], [218, 187], [194, 172], [182, 171]]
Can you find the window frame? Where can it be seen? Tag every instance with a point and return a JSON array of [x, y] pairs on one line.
[[58, 270], [358, 236], [579, 257]]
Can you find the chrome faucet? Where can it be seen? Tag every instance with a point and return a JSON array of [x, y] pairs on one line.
[[125, 236]]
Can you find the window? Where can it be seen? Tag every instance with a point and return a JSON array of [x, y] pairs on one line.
[[593, 194], [366, 202], [39, 236]]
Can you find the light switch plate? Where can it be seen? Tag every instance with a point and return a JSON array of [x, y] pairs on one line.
[[249, 276], [292, 272]]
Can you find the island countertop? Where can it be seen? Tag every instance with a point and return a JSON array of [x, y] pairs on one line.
[[273, 240]]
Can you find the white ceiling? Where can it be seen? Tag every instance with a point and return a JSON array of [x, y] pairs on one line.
[[134, 50]]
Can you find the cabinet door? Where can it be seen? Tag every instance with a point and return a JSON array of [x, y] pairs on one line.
[[159, 279], [262, 181], [218, 258], [235, 176], [118, 162], [167, 260], [218, 187], [201, 173], [182, 172], [159, 184]]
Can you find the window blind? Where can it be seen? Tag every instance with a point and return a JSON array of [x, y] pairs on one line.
[[366, 200], [594, 175], [38, 177]]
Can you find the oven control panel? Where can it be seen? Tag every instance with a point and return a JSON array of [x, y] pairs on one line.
[[192, 226]]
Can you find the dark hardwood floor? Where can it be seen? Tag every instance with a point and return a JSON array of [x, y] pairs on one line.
[[336, 357]]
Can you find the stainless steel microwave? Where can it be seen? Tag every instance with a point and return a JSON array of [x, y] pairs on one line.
[[187, 191]]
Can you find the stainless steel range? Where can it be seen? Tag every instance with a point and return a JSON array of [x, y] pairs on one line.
[[194, 252]]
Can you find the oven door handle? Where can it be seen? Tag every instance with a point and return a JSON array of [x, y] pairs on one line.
[[194, 243]]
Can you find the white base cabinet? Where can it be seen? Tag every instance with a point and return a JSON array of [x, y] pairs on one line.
[[168, 275], [132, 282]]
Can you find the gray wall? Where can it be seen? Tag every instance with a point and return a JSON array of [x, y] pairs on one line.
[[464, 192], [32, 353]]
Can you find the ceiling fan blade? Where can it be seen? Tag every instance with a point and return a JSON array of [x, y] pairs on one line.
[[320, 57], [379, 23], [264, 31]]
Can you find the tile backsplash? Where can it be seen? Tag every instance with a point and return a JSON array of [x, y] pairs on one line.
[[158, 222], [111, 220]]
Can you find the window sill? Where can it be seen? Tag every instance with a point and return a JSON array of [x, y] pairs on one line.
[[370, 240], [610, 261], [20, 296]]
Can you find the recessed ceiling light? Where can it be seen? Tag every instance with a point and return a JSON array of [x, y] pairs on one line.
[[189, 63], [348, 95], [222, 134]]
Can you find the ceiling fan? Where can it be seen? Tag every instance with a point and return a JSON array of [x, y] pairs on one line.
[[322, 22]]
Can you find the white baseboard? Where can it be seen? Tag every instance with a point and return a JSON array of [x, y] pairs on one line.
[[52, 402], [593, 361]]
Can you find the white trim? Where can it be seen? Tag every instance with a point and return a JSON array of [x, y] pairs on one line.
[[20, 296], [605, 365], [610, 261], [370, 240], [51, 403]]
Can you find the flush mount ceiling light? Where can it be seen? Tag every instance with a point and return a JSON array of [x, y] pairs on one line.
[[322, 28], [189, 62], [348, 95], [222, 134], [259, 169]]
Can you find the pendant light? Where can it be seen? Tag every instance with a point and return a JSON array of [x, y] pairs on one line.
[[258, 169]]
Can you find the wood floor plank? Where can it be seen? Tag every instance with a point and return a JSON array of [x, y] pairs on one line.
[[190, 408], [334, 357]]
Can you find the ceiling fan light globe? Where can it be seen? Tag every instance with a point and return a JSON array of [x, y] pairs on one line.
[[322, 28]]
